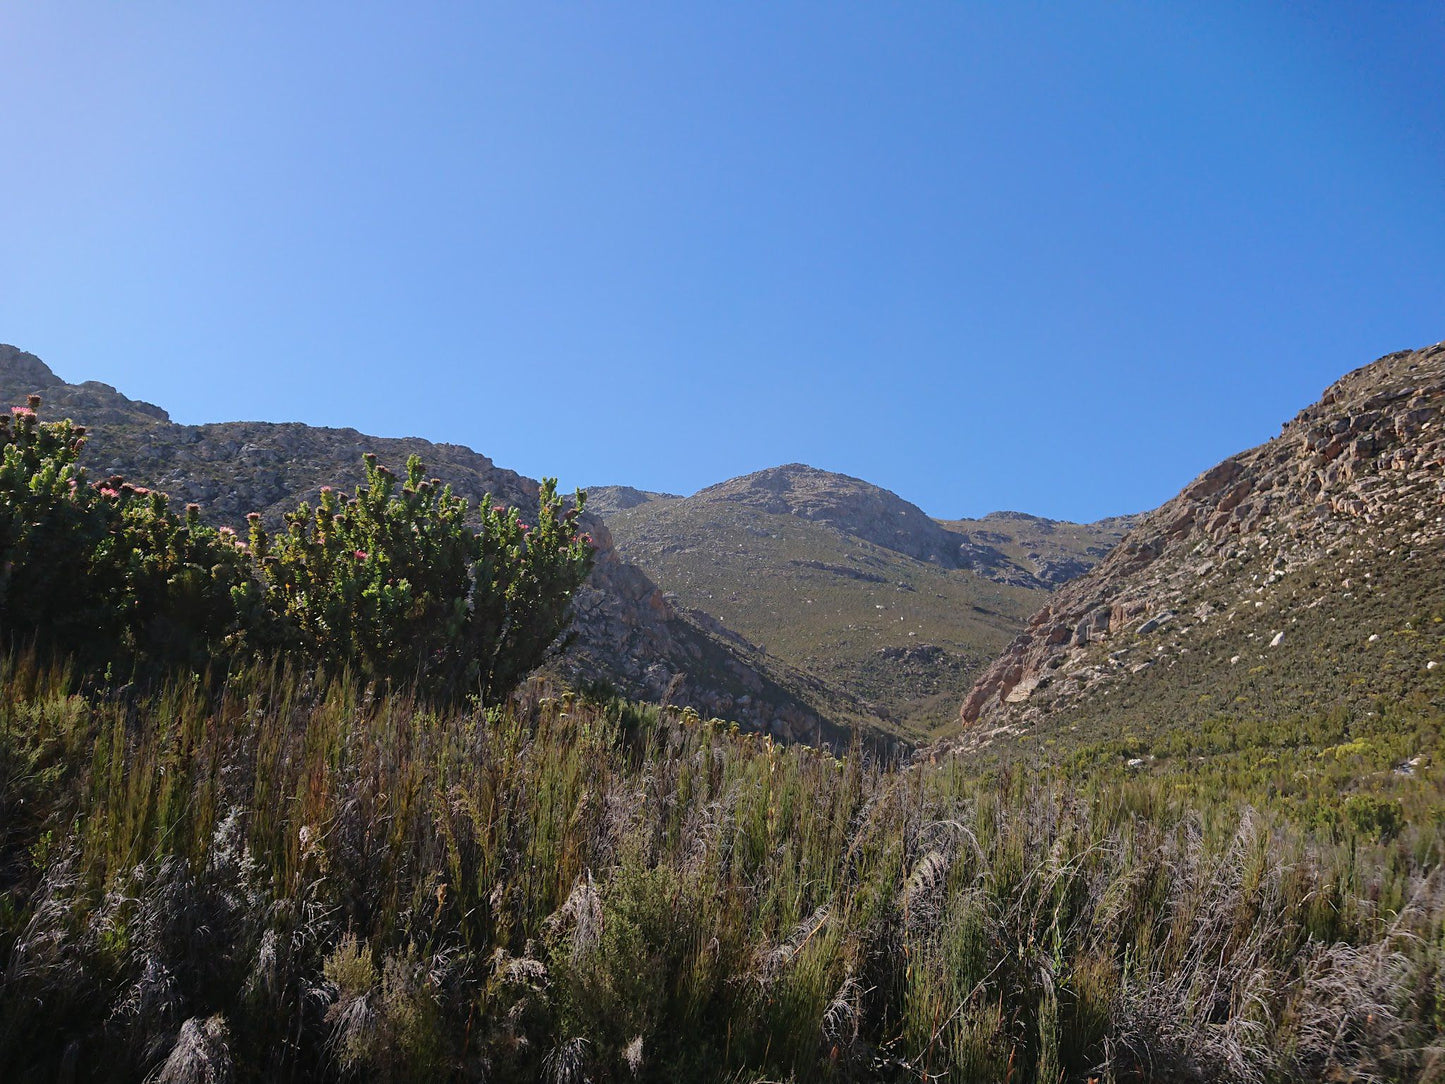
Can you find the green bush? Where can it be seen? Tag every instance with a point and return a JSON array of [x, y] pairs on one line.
[[107, 571], [396, 584], [1373, 817]]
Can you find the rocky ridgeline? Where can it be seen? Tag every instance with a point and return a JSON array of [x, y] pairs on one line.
[[846, 504], [628, 633], [606, 500], [1011, 548], [1031, 551], [1354, 480]]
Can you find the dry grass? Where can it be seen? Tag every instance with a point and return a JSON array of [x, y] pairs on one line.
[[294, 881]]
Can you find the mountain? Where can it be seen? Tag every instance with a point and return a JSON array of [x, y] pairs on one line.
[[628, 633], [1297, 579], [849, 582], [604, 500], [1018, 547]]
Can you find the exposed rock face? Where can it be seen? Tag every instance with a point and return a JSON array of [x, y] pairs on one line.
[[1353, 479], [604, 500], [627, 631]]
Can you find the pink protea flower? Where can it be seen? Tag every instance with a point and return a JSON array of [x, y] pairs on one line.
[[325, 489], [23, 411], [108, 491], [524, 526], [226, 532], [500, 509], [360, 555]]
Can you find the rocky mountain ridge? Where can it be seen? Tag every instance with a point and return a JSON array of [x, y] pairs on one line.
[[605, 500], [848, 582], [628, 633], [1012, 548], [1310, 570], [847, 504]]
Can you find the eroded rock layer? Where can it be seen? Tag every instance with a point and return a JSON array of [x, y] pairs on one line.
[[1270, 544]]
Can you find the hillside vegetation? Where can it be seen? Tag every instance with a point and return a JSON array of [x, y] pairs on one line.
[[900, 633], [851, 584], [302, 880]]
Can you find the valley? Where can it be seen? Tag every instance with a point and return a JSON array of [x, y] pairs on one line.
[[850, 583]]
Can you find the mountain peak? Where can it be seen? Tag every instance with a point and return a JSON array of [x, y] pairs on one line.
[[844, 503], [22, 374], [21, 368], [607, 500]]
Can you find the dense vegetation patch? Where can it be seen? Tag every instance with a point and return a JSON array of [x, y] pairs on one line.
[[399, 582], [308, 880]]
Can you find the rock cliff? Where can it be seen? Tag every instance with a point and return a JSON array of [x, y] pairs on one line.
[[1276, 571]]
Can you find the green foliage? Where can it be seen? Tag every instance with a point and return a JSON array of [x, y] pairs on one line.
[[1374, 817], [106, 570], [363, 888], [396, 584]]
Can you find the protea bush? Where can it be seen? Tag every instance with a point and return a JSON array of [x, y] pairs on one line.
[[106, 571], [399, 583]]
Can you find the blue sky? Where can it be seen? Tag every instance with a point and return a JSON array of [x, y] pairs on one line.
[[1058, 258]]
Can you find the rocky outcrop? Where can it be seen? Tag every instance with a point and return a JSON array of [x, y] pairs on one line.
[[605, 500], [627, 632], [1361, 468]]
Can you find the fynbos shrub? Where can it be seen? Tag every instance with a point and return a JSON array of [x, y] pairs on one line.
[[398, 583]]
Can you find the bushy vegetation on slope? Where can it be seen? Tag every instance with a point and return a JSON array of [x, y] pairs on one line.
[[305, 880], [398, 582]]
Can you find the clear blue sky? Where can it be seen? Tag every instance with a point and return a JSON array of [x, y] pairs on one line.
[[1057, 258]]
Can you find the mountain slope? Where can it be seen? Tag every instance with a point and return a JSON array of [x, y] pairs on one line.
[[628, 634], [1012, 545], [841, 579], [1301, 578]]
